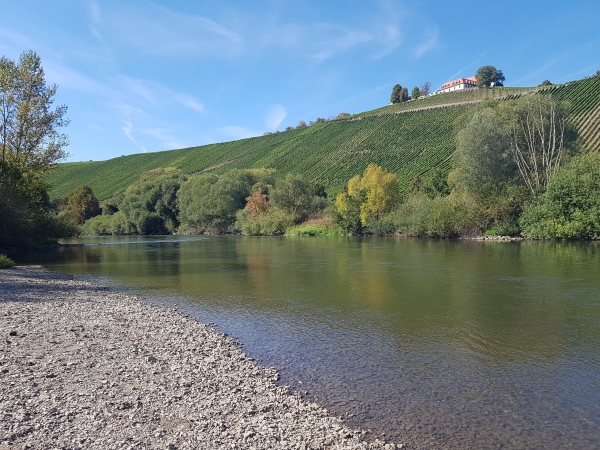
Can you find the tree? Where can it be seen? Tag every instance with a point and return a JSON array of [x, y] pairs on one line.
[[342, 115], [296, 197], [396, 97], [425, 89], [82, 202], [416, 92], [301, 124], [210, 202], [29, 128], [539, 137], [482, 161], [151, 203], [404, 94], [546, 83], [257, 204], [489, 76], [370, 196]]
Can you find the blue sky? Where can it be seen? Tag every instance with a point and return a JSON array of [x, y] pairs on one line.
[[144, 76]]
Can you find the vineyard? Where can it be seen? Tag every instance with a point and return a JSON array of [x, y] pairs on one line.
[[407, 144], [584, 97]]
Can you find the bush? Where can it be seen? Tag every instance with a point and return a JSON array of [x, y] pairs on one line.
[[209, 202], [274, 222], [570, 206], [106, 225], [444, 217], [6, 262]]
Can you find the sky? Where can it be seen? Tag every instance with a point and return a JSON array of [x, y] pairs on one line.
[[143, 76]]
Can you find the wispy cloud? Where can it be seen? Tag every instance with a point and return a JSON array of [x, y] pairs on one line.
[[156, 30], [428, 44], [237, 132], [342, 43], [274, 116], [189, 102], [128, 130]]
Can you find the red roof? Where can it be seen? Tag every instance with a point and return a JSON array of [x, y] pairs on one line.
[[470, 80]]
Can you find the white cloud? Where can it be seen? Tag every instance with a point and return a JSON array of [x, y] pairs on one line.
[[190, 102], [429, 43], [274, 116], [236, 132], [128, 129]]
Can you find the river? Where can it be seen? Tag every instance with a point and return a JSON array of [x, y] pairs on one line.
[[437, 343]]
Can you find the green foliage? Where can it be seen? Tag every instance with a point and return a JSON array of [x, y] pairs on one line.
[[434, 185], [570, 206], [416, 93], [6, 262], [296, 197], [209, 202], [27, 218], [546, 83], [116, 223], [489, 76], [273, 222], [444, 217], [151, 203], [29, 136], [482, 162], [396, 97], [82, 202]]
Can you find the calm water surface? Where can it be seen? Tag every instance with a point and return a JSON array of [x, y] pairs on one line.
[[439, 344]]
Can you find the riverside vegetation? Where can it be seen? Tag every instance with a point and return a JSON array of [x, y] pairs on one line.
[[502, 161]]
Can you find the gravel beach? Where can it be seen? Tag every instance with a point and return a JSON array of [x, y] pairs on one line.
[[84, 367]]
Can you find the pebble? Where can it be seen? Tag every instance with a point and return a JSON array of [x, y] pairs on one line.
[[93, 369]]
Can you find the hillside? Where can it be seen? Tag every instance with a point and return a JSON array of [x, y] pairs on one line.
[[408, 139]]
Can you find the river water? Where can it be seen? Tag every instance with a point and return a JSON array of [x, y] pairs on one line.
[[439, 344]]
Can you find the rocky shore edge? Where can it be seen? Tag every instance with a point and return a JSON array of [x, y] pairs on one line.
[[82, 367]]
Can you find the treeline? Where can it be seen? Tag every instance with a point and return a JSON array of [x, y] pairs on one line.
[[518, 170], [163, 201]]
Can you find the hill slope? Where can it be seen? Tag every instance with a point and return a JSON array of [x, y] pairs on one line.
[[408, 139]]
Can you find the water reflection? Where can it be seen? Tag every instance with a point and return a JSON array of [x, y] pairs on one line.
[[439, 343]]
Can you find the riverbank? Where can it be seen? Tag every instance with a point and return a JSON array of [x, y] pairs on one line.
[[84, 367]]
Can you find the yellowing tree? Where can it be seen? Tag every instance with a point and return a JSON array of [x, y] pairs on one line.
[[367, 197]]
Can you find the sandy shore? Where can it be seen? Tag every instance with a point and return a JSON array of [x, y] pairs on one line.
[[84, 367]]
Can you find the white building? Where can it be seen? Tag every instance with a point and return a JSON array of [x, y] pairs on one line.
[[458, 85]]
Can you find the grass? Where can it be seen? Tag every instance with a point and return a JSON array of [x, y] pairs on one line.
[[6, 262], [320, 226]]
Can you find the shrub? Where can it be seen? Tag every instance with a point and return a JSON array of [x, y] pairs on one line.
[[444, 217], [6, 262], [570, 206], [274, 222]]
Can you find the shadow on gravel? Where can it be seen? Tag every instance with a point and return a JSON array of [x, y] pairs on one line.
[[36, 284]]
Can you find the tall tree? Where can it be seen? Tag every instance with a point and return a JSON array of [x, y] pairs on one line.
[[83, 204], [489, 76], [539, 137], [416, 92], [395, 97], [425, 89], [404, 94], [29, 128]]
